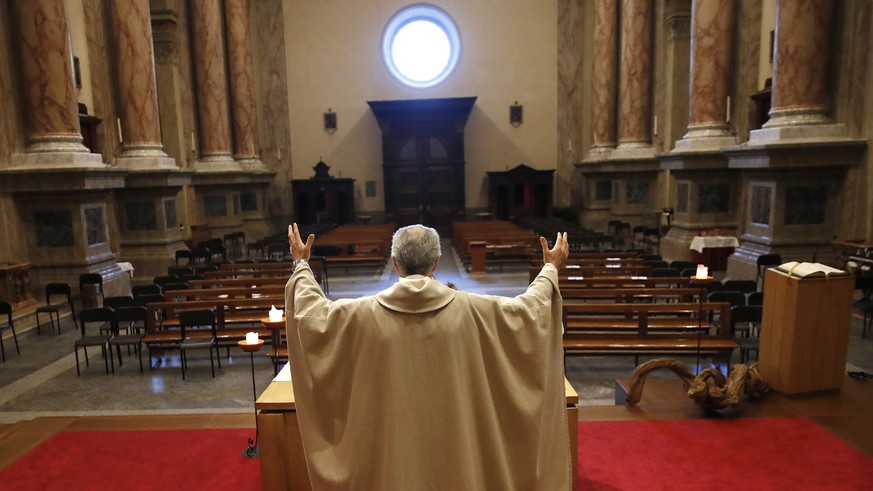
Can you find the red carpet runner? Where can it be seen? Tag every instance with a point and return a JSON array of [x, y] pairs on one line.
[[713, 454], [133, 460]]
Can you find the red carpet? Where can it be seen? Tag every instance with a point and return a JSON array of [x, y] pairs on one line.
[[133, 460], [713, 454]]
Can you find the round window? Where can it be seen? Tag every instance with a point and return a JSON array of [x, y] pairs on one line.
[[421, 45]]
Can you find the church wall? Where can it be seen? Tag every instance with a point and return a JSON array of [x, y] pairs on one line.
[[575, 24], [509, 53]]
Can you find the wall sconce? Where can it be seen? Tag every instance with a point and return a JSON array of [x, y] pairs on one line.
[[516, 114], [330, 121]]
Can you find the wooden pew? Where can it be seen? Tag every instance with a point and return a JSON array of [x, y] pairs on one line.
[[235, 317], [572, 281], [575, 270], [631, 294], [358, 245], [662, 329], [497, 242]]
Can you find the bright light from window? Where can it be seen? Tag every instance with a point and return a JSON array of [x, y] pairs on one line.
[[421, 50], [421, 45]]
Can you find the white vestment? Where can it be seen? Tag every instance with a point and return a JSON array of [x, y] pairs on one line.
[[424, 387]]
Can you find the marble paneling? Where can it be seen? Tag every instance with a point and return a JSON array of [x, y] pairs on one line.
[[170, 218], [100, 52], [713, 198], [248, 201], [805, 205], [274, 125], [744, 75], [53, 228], [604, 73], [95, 225], [140, 215], [603, 190], [682, 192], [637, 192], [215, 205], [11, 118], [761, 205]]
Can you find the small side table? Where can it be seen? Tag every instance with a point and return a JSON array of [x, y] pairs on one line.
[[251, 451]]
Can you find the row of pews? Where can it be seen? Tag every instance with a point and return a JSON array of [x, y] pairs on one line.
[[612, 306]]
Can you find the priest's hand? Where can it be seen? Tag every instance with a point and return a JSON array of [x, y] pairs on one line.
[[557, 255], [299, 250]]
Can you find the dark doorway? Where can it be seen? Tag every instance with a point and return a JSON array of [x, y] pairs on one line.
[[423, 159]]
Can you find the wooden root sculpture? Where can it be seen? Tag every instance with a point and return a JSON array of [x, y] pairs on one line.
[[709, 389]]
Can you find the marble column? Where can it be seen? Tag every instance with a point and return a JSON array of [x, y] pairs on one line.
[[604, 73], [803, 30], [211, 88], [635, 74], [137, 92], [244, 116], [711, 32], [54, 136]]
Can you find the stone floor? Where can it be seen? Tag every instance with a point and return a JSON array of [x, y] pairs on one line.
[[42, 380]]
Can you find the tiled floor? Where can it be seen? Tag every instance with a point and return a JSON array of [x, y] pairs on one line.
[[42, 380]]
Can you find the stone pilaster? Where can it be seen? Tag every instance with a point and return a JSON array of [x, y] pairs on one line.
[[635, 74]]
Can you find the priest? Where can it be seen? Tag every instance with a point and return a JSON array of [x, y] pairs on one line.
[[425, 387]]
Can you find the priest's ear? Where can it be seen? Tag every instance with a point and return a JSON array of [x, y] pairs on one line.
[[435, 264]]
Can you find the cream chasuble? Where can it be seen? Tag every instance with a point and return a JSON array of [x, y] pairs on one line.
[[425, 387]]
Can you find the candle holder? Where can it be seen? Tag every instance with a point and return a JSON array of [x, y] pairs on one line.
[[252, 451], [700, 281], [276, 328]]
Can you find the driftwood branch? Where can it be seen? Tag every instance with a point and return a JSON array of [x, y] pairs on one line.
[[709, 389]]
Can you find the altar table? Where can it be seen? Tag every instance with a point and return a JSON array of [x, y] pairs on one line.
[[713, 251]]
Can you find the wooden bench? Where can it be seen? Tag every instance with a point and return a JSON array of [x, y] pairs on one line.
[[235, 317], [632, 294], [573, 281], [357, 246], [576, 270], [492, 242], [662, 329]]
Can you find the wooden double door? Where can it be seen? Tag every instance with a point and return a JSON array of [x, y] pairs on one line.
[[423, 159], [424, 178]]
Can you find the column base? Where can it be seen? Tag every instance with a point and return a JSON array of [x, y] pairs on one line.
[[56, 160], [816, 132], [597, 154], [217, 163], [252, 165], [146, 162]]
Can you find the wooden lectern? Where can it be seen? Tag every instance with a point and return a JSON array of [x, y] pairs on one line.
[[805, 332]]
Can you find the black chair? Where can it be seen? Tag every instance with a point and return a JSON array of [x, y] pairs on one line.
[[201, 254], [183, 254], [141, 290], [755, 298], [198, 330], [688, 272], [665, 273], [652, 238], [734, 298], [53, 307], [133, 319], [163, 280], [99, 318], [115, 302], [179, 270], [683, 265], [865, 303], [749, 316], [639, 236], [6, 309], [148, 298], [766, 261], [651, 257], [655, 264], [745, 286], [90, 285]]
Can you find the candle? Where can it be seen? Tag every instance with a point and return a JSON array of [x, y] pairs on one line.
[[702, 271], [275, 314], [251, 338]]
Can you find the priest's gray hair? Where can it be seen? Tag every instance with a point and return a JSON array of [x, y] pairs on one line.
[[416, 249]]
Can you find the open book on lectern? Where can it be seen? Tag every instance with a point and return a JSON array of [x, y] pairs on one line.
[[809, 270]]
